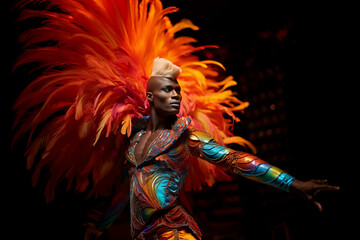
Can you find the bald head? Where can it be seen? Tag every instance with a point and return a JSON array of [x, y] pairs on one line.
[[155, 81]]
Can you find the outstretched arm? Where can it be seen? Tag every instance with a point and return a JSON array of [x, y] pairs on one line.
[[239, 163], [251, 167]]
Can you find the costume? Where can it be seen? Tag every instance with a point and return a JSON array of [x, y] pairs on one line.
[[87, 110], [158, 179]]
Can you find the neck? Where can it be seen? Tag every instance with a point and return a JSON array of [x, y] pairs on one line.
[[158, 122]]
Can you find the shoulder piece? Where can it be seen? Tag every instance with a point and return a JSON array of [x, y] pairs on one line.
[[181, 124], [202, 172], [197, 136]]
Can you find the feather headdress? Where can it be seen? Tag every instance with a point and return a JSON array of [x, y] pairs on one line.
[[95, 59]]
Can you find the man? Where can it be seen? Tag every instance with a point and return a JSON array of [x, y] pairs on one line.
[[159, 158]]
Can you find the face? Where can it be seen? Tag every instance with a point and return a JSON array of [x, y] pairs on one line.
[[164, 95]]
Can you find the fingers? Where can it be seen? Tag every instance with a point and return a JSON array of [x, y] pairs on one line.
[[86, 235], [316, 192], [91, 233], [330, 188], [312, 187], [320, 185], [318, 205], [314, 202], [90, 236], [319, 181]]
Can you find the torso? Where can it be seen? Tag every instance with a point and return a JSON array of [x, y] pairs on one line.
[[141, 147], [158, 165]]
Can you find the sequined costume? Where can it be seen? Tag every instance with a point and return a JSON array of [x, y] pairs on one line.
[[157, 180]]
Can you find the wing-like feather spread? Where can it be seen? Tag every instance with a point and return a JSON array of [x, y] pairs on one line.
[[95, 58]]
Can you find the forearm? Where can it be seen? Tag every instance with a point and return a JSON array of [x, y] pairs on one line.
[[240, 163], [251, 167]]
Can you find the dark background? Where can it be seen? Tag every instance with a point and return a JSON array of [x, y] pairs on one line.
[[295, 65]]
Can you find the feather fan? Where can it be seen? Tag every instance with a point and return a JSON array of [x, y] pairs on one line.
[[95, 57]]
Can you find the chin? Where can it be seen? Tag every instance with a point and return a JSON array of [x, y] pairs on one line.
[[167, 112], [172, 113]]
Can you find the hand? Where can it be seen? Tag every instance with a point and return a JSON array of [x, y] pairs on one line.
[[309, 189], [92, 233]]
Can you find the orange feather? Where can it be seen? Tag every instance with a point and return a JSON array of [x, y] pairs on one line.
[[95, 58]]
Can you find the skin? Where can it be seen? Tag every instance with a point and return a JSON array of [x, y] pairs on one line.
[[164, 96], [309, 189]]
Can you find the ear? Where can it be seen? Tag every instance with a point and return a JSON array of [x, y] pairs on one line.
[[149, 97]]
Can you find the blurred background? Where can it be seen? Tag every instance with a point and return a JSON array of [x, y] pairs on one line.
[[294, 65]]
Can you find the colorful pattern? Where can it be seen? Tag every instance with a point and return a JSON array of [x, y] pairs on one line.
[[157, 182], [240, 163], [175, 235]]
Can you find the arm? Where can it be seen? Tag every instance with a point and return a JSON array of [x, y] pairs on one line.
[[251, 167], [103, 220], [240, 163], [102, 217]]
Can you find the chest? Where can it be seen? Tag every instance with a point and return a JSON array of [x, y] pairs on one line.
[[163, 147], [143, 145]]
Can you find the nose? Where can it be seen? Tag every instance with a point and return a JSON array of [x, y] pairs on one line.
[[175, 95]]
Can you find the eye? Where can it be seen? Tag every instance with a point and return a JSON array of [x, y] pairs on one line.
[[167, 89]]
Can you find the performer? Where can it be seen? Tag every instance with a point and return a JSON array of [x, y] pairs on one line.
[[112, 121], [159, 158]]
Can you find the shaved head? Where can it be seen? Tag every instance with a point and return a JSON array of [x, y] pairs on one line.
[[155, 81]]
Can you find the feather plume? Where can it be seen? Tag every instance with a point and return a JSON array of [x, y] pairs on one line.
[[95, 58]]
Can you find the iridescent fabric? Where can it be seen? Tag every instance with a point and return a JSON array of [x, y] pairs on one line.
[[157, 179], [174, 234]]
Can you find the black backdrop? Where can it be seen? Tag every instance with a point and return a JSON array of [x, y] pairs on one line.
[[321, 99]]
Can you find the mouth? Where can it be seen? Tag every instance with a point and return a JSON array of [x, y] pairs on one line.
[[175, 104]]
